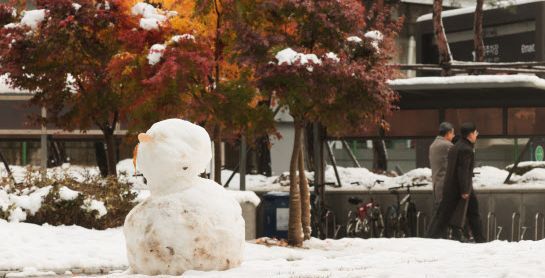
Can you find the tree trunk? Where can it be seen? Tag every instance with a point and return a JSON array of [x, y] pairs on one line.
[[100, 155], [295, 229], [218, 53], [305, 194], [380, 156], [264, 156], [217, 154], [445, 56], [111, 151], [478, 41]]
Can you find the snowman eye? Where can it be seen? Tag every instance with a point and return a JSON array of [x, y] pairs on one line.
[[185, 168]]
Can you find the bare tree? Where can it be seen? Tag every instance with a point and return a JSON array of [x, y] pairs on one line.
[[478, 42], [445, 56]]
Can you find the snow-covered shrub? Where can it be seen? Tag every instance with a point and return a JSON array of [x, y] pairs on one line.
[[526, 166], [89, 201]]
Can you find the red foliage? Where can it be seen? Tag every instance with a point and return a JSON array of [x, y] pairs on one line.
[[349, 94]]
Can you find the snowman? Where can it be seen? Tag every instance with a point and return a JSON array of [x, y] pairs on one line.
[[187, 223]]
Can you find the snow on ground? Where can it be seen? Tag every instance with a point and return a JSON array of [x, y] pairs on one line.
[[352, 179], [63, 247], [46, 248]]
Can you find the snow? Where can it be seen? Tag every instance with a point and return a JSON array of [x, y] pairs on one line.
[[490, 176], [332, 56], [33, 201], [253, 182], [286, 56], [94, 205], [534, 175], [524, 164], [355, 39], [34, 248], [471, 9], [71, 83], [31, 272], [152, 18], [178, 38], [156, 53], [76, 6], [290, 56], [446, 3], [5, 87], [48, 248], [11, 26], [147, 11], [67, 194], [374, 35], [470, 80], [149, 23], [33, 18], [245, 197], [17, 215]]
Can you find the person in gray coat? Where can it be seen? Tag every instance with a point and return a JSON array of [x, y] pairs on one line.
[[459, 200], [438, 160]]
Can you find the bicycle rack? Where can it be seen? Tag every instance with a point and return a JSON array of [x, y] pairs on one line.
[[539, 216], [523, 230], [330, 215], [491, 218], [515, 218], [421, 216]]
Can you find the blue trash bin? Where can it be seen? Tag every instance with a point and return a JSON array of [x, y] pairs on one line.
[[276, 214]]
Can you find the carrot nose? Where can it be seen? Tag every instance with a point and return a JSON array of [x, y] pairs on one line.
[[143, 137], [134, 155]]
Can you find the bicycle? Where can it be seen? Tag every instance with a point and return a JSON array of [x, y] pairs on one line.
[[401, 217], [366, 221]]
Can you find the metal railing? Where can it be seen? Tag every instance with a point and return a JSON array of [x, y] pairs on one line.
[[515, 218], [330, 218], [491, 219], [537, 231], [421, 217]]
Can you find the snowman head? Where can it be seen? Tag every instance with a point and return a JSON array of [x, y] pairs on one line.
[[173, 148]]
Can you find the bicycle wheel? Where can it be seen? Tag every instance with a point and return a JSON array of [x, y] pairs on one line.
[[378, 223], [411, 220], [351, 225], [363, 228], [391, 222]]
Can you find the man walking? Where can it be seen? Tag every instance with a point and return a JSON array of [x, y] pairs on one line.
[[438, 160], [458, 186]]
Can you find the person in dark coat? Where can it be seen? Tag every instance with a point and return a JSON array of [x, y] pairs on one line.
[[458, 188]]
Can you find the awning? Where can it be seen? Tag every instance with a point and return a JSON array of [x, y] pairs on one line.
[[470, 91]]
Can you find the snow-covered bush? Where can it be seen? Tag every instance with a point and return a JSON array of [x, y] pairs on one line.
[[89, 201], [526, 166]]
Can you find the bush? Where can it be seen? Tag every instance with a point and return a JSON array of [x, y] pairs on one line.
[[61, 199]]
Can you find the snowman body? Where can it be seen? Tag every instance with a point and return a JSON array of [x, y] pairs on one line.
[[187, 223]]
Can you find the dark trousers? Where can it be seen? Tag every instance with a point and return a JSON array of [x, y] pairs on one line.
[[445, 212]]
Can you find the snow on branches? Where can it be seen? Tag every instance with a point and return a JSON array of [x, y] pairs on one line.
[[152, 17]]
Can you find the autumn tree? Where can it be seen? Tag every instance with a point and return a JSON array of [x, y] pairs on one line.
[[326, 64], [226, 102], [62, 52]]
